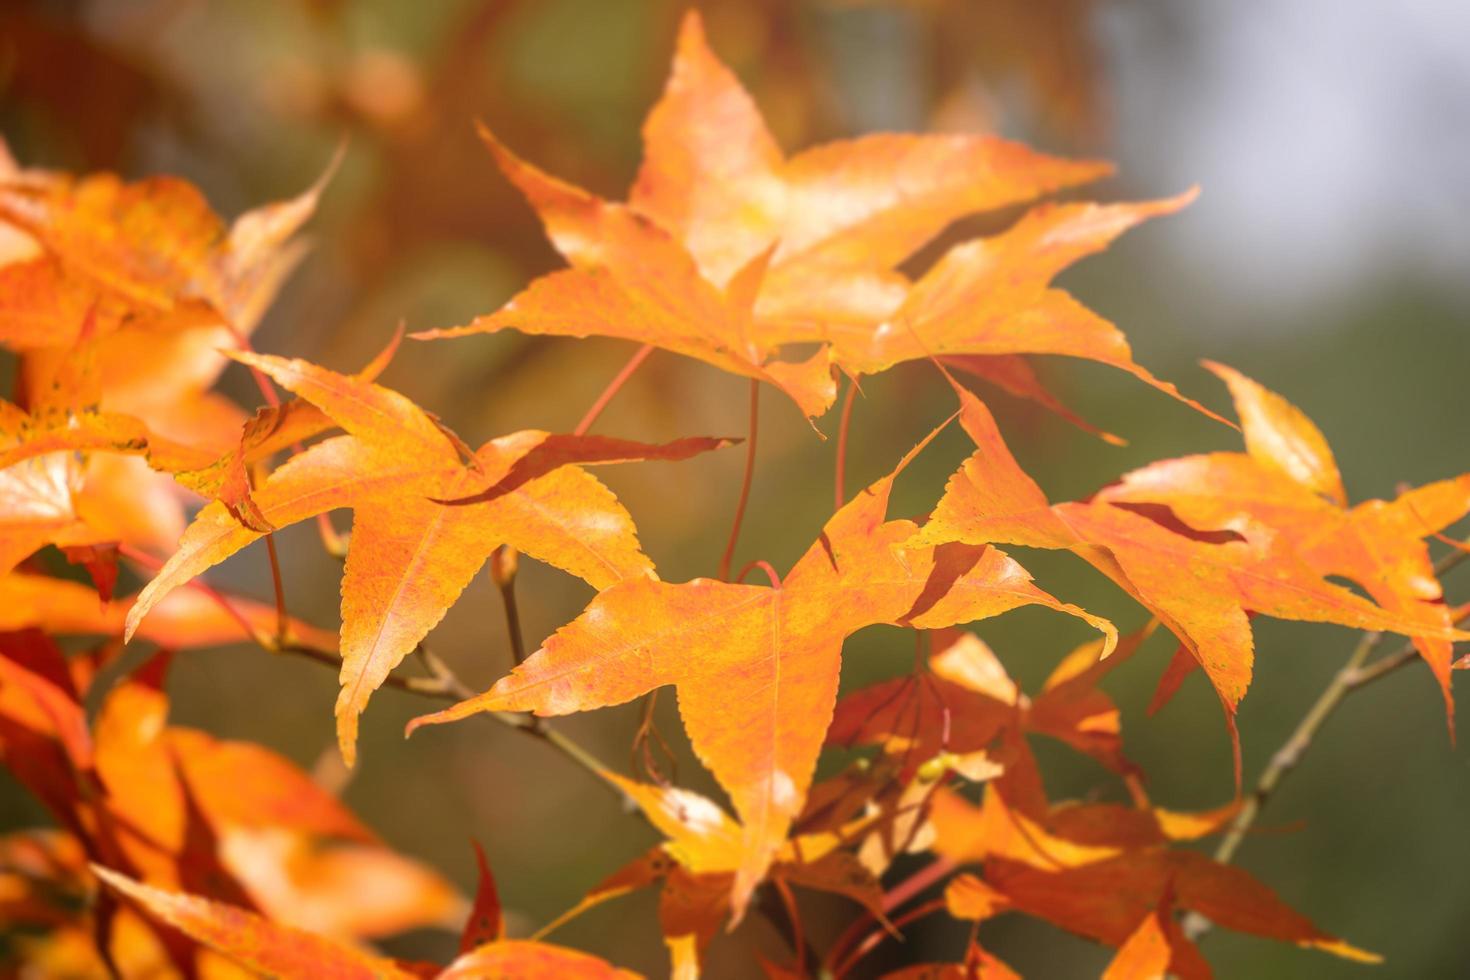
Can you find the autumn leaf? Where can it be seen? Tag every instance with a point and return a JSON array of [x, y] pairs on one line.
[[978, 965], [183, 620], [1015, 821], [67, 420], [964, 701], [152, 249], [1014, 374], [727, 250], [486, 922], [38, 694], [225, 819], [1157, 949], [1287, 484], [993, 297], [1199, 589], [1099, 870], [412, 556], [272, 429], [756, 667], [49, 495], [273, 949], [531, 961], [37, 507], [248, 939], [159, 284], [695, 869], [1278, 435], [1105, 900]]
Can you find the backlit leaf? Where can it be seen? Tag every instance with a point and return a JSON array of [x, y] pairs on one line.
[[756, 667]]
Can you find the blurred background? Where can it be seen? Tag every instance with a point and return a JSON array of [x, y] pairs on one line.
[[1329, 257]]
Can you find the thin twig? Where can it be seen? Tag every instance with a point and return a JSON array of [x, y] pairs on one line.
[[332, 542], [793, 917], [927, 876], [142, 557], [1354, 674], [503, 565], [755, 403], [1290, 754], [1368, 673], [442, 683], [513, 623], [621, 378], [282, 620], [648, 742], [840, 481], [441, 672], [874, 938]]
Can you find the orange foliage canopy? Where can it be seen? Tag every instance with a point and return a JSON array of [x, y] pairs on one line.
[[175, 852], [756, 667]]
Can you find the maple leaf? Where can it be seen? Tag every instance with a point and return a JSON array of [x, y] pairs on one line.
[[50, 496], [1014, 374], [155, 285], [183, 809], [695, 870], [533, 961], [727, 250], [992, 297], [411, 555], [250, 940], [85, 506], [1158, 948], [45, 484], [37, 507], [270, 430], [1100, 870], [98, 501], [1199, 589], [272, 949], [486, 921], [965, 701], [182, 621], [756, 667], [977, 965], [66, 419], [150, 251], [1287, 481]]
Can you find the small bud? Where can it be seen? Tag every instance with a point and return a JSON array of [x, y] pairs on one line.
[[503, 564], [934, 769]]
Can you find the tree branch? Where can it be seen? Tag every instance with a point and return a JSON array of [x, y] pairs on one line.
[[755, 401], [1354, 674]]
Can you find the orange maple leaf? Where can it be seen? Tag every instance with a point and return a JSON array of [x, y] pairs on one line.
[[1199, 589], [727, 250], [277, 950], [1287, 483], [756, 667], [411, 555]]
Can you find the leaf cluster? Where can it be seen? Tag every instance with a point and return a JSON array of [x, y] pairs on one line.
[[177, 852]]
